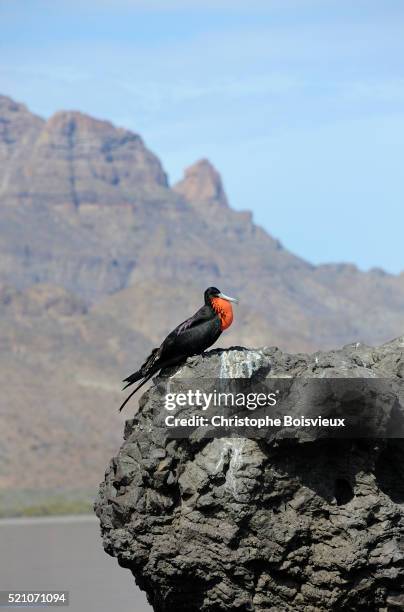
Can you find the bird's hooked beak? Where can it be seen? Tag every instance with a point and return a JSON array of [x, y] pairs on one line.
[[228, 298]]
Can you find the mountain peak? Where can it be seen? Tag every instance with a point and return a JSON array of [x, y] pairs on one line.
[[73, 159], [202, 183], [8, 105], [18, 130], [72, 120]]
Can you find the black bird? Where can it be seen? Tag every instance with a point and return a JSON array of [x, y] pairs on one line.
[[191, 337]]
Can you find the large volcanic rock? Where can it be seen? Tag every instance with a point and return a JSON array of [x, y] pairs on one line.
[[237, 524]]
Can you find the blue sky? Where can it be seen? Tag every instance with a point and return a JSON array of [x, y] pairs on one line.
[[298, 103]]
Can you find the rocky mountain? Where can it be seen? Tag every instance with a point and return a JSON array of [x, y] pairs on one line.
[[202, 183], [267, 524], [100, 258], [86, 206], [72, 159]]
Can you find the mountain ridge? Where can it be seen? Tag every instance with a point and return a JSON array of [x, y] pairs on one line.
[[100, 258]]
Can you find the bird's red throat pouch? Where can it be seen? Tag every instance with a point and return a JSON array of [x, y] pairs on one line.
[[224, 310]]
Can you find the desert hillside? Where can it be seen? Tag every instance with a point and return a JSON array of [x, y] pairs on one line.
[[100, 257]]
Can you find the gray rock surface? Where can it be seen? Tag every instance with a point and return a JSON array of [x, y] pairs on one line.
[[239, 524]]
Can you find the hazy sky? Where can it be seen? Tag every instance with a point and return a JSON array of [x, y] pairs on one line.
[[299, 104]]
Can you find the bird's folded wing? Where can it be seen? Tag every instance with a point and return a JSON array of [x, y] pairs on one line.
[[199, 317], [151, 360]]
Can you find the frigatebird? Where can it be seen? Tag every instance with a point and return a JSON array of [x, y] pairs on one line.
[[191, 337]]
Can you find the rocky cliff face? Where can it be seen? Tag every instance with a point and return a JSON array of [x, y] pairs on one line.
[[238, 524], [73, 159], [18, 130], [202, 183]]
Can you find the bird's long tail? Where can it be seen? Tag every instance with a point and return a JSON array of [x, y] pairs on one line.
[[144, 369], [144, 381], [145, 372], [132, 379], [154, 366]]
